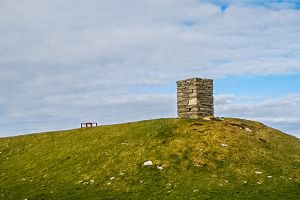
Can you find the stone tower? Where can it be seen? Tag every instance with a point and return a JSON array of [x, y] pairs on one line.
[[195, 98]]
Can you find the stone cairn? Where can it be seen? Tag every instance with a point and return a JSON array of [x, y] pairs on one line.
[[195, 98]]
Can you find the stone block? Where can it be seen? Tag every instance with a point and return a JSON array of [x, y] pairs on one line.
[[195, 98]]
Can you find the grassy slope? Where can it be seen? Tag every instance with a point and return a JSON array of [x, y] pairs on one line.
[[106, 162]]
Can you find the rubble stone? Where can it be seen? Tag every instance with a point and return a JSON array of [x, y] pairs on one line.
[[195, 98]]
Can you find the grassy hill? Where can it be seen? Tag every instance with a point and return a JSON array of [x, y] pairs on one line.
[[192, 159]]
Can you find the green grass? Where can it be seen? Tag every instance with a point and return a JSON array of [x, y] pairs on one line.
[[106, 162]]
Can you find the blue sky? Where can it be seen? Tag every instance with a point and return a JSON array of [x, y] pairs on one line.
[[115, 61], [270, 86]]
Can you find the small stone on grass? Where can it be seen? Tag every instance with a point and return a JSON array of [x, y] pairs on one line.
[[248, 129], [148, 163]]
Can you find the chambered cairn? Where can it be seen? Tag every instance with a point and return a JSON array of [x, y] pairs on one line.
[[195, 98]]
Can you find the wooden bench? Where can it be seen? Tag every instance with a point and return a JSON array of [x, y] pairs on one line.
[[88, 124]]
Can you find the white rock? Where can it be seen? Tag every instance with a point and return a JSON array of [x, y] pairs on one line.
[[148, 163], [159, 168], [258, 172], [248, 129], [193, 102], [112, 178], [258, 183], [92, 181], [207, 118], [224, 145], [269, 176]]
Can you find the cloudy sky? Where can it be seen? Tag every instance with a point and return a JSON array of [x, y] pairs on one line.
[[112, 61]]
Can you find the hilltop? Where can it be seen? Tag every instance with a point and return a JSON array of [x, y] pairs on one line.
[[191, 159]]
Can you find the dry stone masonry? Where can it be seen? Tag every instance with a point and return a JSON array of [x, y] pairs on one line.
[[195, 98]]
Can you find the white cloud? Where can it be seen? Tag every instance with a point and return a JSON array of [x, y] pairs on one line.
[[141, 35], [281, 112], [271, 4]]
